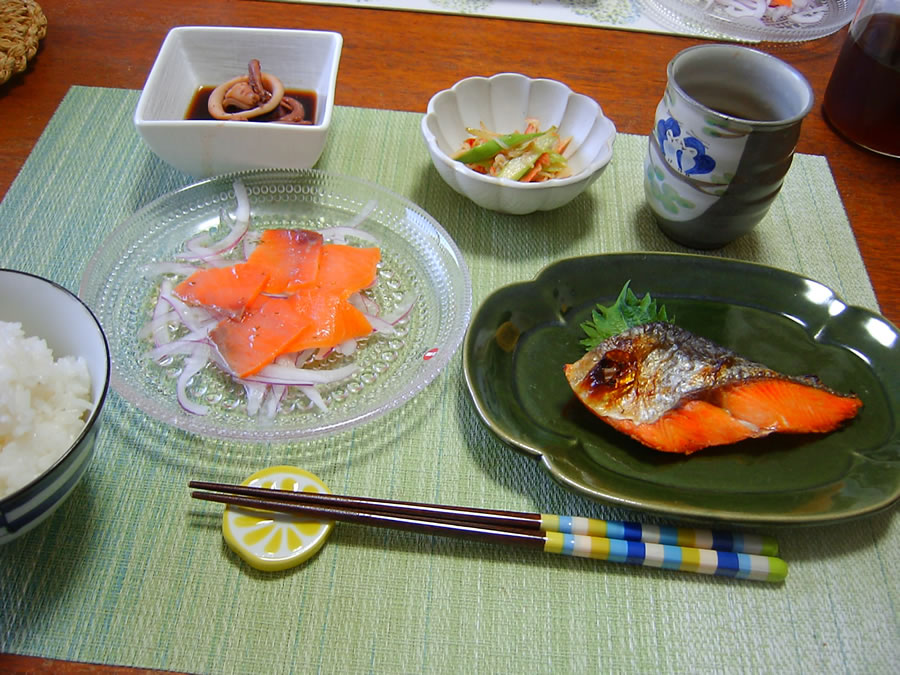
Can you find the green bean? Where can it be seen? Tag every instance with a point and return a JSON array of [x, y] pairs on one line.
[[486, 150]]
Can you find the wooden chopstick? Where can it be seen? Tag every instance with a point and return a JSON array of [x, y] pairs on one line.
[[542, 522], [504, 527]]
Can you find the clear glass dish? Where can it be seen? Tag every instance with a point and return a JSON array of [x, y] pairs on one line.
[[753, 20], [418, 256]]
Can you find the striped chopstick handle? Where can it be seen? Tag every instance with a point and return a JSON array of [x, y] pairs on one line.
[[735, 542], [666, 556]]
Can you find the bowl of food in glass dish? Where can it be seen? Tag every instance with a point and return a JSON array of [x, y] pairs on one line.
[[54, 375], [223, 99], [278, 306], [516, 144]]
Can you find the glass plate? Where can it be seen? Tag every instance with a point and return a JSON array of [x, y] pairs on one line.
[[418, 257], [753, 20], [523, 334]]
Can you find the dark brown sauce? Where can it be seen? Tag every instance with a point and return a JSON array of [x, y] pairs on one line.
[[863, 96], [199, 106]]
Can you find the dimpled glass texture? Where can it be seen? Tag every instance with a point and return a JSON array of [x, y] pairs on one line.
[[418, 257]]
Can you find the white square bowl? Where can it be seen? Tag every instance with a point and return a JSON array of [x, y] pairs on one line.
[[192, 57]]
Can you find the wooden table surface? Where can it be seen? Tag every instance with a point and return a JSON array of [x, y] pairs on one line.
[[397, 60]]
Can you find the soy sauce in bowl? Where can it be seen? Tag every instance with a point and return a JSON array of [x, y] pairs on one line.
[[199, 105]]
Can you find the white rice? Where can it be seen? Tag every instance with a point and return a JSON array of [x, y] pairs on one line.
[[43, 405]]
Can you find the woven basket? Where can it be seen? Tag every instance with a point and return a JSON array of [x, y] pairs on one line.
[[22, 26]]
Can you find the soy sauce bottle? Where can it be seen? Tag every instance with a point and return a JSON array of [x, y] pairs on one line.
[[862, 100]]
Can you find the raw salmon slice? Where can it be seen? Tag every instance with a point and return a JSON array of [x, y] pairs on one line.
[[290, 257], [225, 290], [333, 320], [347, 269], [291, 294], [254, 341], [678, 392], [321, 310]]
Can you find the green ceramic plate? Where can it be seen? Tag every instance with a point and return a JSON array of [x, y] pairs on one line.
[[523, 334]]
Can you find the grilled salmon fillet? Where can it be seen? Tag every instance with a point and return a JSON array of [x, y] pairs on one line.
[[678, 392]]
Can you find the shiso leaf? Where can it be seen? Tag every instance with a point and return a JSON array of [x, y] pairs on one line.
[[626, 312]]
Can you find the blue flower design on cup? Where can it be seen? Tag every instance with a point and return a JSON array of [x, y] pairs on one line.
[[684, 153]]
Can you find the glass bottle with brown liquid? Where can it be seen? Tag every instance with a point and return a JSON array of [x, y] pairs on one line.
[[862, 100]]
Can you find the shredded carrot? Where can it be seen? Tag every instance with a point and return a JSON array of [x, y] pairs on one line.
[[549, 166], [541, 162]]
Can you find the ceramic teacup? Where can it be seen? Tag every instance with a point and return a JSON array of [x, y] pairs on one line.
[[722, 142]]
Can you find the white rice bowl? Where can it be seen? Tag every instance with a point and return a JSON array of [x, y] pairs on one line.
[[44, 403]]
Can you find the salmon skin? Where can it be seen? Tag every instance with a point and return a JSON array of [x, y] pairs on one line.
[[678, 392]]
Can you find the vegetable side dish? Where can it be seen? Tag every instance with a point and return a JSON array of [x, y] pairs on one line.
[[529, 157], [678, 392]]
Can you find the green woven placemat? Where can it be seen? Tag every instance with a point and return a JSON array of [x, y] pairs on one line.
[[130, 571]]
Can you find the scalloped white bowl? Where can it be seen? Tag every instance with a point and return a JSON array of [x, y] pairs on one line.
[[503, 102]]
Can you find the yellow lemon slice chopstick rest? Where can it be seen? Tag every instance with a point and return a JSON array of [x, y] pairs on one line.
[[276, 541]]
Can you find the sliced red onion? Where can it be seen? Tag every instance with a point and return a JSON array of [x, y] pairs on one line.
[[275, 374], [195, 251], [278, 391], [199, 244], [363, 303], [302, 357], [383, 324], [272, 400], [256, 391], [347, 347], [201, 333], [209, 254], [158, 268], [339, 234], [217, 261], [242, 213], [403, 309], [360, 217], [203, 240], [380, 325], [313, 395], [157, 328], [175, 347], [194, 318], [193, 364], [216, 358]]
